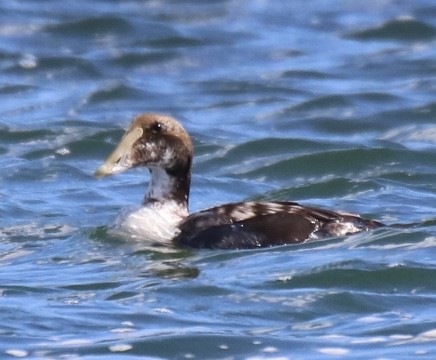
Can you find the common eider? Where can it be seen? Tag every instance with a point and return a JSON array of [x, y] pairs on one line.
[[161, 144]]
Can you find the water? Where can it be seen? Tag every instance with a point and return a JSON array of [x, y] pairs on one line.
[[329, 103]]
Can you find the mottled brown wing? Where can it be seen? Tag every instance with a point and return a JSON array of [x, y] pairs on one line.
[[252, 225]]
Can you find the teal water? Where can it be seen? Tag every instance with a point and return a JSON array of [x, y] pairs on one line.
[[328, 103]]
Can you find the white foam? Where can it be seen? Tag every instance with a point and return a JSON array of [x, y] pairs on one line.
[[120, 347], [17, 353], [337, 351]]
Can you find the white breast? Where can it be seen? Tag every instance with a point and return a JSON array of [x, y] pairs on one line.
[[157, 222]]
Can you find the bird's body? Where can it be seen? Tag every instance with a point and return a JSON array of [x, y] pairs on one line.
[[161, 144]]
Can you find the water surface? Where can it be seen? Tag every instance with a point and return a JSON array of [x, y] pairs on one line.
[[328, 103]]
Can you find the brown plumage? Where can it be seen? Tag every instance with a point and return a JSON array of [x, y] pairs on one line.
[[161, 144]]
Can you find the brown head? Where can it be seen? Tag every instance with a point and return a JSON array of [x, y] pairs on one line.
[[161, 144]]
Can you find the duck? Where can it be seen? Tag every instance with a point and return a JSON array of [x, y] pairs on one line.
[[160, 143]]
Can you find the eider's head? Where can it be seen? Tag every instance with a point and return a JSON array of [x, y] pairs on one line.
[[154, 141]]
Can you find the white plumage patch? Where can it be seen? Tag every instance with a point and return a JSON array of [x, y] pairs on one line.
[[251, 209], [160, 184], [243, 211], [343, 228], [156, 222]]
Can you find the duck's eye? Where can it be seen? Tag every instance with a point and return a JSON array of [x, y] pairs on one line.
[[156, 127]]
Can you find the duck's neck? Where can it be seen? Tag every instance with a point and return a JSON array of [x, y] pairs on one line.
[[165, 187]]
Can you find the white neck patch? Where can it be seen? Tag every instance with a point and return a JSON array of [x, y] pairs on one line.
[[161, 184]]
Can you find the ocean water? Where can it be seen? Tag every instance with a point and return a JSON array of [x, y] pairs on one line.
[[328, 103]]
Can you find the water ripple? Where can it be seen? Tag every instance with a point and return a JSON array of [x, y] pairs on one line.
[[405, 29], [319, 103]]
